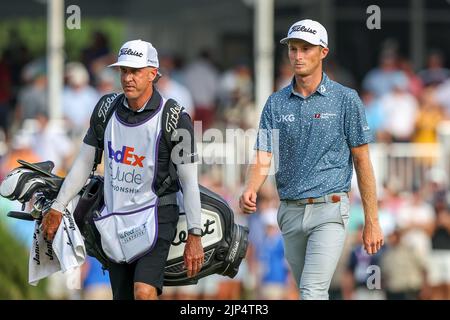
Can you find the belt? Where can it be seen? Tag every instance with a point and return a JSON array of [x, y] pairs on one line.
[[168, 199], [331, 198]]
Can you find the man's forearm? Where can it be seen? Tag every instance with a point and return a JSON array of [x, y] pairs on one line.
[[367, 188], [258, 171]]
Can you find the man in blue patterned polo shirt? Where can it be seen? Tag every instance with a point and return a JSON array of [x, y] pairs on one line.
[[322, 131]]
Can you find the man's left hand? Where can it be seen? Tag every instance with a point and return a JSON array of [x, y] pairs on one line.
[[194, 256], [372, 237]]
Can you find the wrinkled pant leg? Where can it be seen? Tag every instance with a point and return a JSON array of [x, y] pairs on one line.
[[323, 250], [290, 220]]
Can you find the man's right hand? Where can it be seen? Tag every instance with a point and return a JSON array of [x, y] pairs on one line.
[[50, 223], [247, 202]]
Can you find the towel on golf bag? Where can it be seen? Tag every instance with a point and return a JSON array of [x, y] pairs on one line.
[[65, 252]]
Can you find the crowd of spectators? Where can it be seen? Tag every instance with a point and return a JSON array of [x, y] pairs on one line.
[[403, 105]]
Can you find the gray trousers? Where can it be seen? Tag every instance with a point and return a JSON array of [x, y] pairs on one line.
[[314, 236]]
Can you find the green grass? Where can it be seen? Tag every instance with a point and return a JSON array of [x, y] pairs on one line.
[[14, 270]]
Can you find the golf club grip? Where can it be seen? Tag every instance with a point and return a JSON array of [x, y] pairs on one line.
[[20, 215]]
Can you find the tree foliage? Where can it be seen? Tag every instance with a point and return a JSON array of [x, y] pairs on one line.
[[14, 270]]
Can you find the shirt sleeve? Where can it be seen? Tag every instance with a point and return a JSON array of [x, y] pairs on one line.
[[76, 178], [187, 174], [264, 140], [356, 129], [90, 139], [98, 117], [184, 146]]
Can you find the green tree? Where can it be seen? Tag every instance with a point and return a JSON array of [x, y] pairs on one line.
[[33, 33]]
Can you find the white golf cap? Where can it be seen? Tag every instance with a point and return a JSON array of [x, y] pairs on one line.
[[137, 54], [309, 30]]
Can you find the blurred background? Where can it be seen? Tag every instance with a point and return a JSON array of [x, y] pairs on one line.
[[221, 60]]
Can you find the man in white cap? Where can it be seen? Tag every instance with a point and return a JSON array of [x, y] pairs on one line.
[[322, 131], [140, 215]]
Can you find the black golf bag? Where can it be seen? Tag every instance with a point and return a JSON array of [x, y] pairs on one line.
[[224, 242]]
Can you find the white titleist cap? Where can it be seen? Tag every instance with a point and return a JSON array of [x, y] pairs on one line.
[[137, 54], [309, 30]]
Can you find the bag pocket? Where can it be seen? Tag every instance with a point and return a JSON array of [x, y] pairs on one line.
[[109, 240], [127, 236]]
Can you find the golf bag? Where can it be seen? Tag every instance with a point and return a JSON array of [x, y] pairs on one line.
[[224, 242]]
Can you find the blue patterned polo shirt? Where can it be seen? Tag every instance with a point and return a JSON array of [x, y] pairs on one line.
[[315, 134]]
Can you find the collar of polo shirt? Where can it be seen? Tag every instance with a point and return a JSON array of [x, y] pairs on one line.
[[322, 88]]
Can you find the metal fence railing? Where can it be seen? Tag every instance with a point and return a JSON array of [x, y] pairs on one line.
[[402, 166], [405, 166]]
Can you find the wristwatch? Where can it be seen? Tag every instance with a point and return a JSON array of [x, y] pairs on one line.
[[195, 231]]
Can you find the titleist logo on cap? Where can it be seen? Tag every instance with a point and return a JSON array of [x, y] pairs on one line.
[[302, 29], [130, 52]]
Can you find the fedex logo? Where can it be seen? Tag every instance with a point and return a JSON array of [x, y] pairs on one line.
[[125, 156]]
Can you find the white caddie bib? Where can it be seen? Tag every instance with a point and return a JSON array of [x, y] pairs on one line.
[[128, 224]]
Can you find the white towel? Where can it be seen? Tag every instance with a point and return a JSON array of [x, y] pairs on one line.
[[65, 252]]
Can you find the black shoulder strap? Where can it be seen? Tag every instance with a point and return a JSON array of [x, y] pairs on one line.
[[171, 114], [99, 120]]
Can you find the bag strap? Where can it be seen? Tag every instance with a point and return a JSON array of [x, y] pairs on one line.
[[171, 114], [103, 111]]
